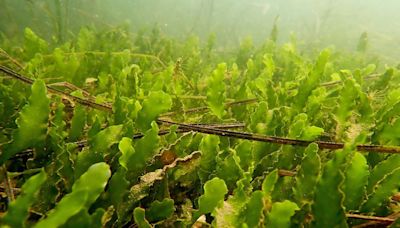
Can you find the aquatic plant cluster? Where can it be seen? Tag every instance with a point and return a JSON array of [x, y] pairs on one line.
[[114, 129]]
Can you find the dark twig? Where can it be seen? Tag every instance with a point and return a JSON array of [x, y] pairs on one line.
[[332, 83], [79, 100], [80, 144], [107, 107], [205, 108], [367, 217], [7, 184], [220, 132], [5, 54], [102, 53], [282, 140], [15, 190], [286, 173], [182, 130], [71, 87], [378, 222]]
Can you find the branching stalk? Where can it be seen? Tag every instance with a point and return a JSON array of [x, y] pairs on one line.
[[367, 217], [53, 90], [282, 140], [214, 131]]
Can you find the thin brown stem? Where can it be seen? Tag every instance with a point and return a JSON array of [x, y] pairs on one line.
[[367, 217], [332, 83], [7, 184], [379, 222], [11, 59], [83, 143], [282, 140], [286, 173], [108, 107], [182, 130], [220, 132], [86, 102], [101, 53], [205, 108], [15, 190], [71, 87], [25, 172]]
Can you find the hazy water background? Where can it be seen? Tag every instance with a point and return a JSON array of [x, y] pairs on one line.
[[315, 23]]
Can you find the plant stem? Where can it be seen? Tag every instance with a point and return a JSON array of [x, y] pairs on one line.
[[366, 217], [282, 140], [7, 183], [204, 108]]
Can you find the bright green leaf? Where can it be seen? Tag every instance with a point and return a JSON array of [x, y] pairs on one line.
[[328, 209], [85, 191], [356, 178], [214, 193], [382, 191], [216, 90], [253, 211], [155, 104], [381, 170], [308, 174], [280, 214], [18, 210], [269, 182], [78, 122], [127, 150], [32, 123], [209, 148], [139, 217], [106, 138]]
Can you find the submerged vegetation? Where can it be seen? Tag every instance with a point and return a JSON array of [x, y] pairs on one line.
[[114, 129]]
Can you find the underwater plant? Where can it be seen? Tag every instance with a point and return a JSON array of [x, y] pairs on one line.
[[108, 129]]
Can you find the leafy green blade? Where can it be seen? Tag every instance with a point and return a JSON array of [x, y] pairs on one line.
[[118, 186], [33, 44], [253, 212], [84, 192], [280, 214], [214, 193], [160, 210], [348, 97], [209, 148], [155, 104], [216, 90], [308, 174], [140, 218], [382, 169], [144, 149], [127, 150], [228, 169], [244, 150], [327, 208], [70, 205], [382, 191], [32, 123], [99, 148], [310, 82], [18, 209], [356, 178], [106, 138], [269, 182], [78, 122]]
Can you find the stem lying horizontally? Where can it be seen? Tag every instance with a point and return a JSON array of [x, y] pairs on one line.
[[214, 131], [281, 140], [51, 89], [367, 217], [204, 108]]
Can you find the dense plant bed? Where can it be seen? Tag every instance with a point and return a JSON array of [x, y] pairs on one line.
[[110, 129]]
